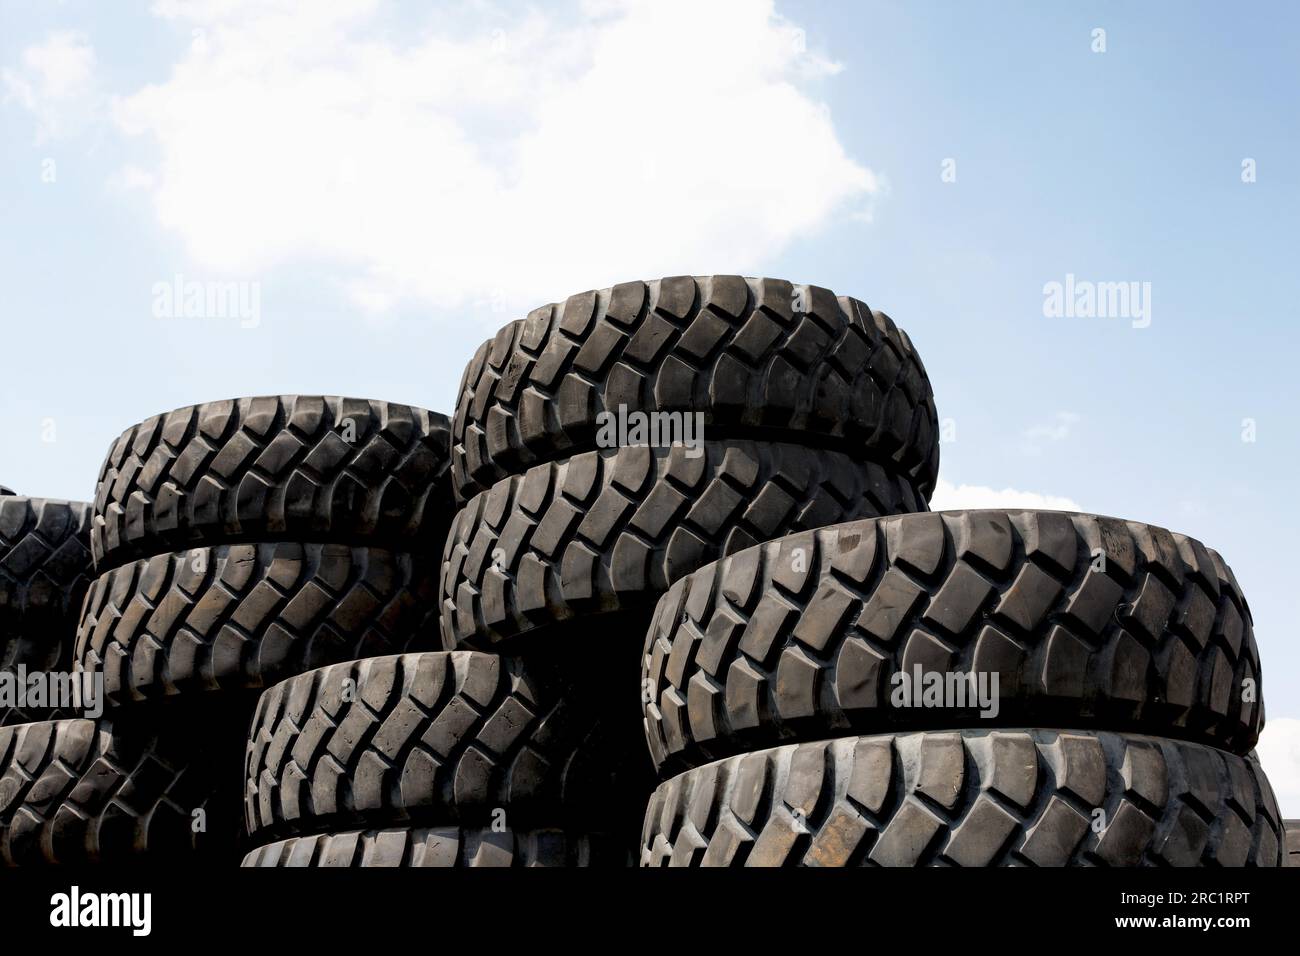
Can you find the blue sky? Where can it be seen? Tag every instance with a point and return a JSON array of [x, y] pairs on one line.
[[395, 182]]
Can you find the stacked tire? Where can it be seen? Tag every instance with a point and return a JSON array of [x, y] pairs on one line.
[[959, 688], [811, 410], [45, 569], [441, 759], [234, 543]]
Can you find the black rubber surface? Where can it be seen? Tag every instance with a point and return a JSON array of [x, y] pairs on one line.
[[45, 568], [437, 739], [249, 615], [124, 789], [759, 358], [608, 531], [438, 847], [802, 638], [969, 798], [275, 468]]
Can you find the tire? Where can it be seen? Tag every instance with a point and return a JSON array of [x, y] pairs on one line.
[[45, 569], [277, 468], [608, 531], [437, 847], [833, 372], [969, 798], [751, 652], [431, 740], [119, 790], [243, 616]]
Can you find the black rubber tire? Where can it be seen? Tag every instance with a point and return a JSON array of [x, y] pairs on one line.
[[608, 531], [835, 374], [123, 789], [750, 652], [249, 615], [45, 569], [438, 739], [969, 798], [275, 468], [438, 847]]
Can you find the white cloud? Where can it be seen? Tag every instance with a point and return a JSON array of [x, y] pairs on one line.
[[1279, 753], [1034, 437], [518, 157], [950, 497], [131, 177], [55, 81]]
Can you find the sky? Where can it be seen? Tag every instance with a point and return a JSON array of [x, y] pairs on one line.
[[359, 192]]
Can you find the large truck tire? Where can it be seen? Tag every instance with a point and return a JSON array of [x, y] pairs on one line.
[[757, 358], [969, 798], [275, 468], [1085, 621]]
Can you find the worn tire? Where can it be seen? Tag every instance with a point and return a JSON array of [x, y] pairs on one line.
[[249, 615], [969, 798], [834, 373], [436, 739], [275, 468], [45, 569], [751, 652], [437, 847], [609, 531], [119, 790]]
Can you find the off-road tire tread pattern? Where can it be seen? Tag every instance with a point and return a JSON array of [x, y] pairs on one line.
[[434, 847], [113, 791], [750, 653], [969, 798], [45, 569], [743, 352], [429, 739], [249, 615], [275, 468], [610, 530]]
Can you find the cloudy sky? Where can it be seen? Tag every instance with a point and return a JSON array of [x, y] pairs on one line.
[[386, 183]]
